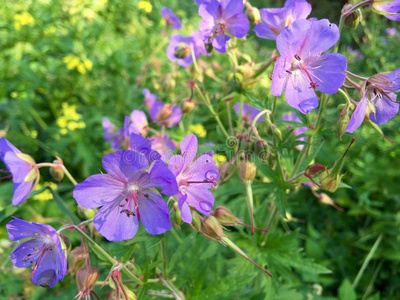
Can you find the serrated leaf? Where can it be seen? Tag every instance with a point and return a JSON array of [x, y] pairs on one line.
[[280, 200], [259, 104]]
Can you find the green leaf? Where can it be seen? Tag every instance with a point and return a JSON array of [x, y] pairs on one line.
[[346, 291], [7, 212], [280, 200], [64, 208], [256, 102]]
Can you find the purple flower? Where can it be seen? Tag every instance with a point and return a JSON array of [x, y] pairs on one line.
[[143, 146], [195, 177], [112, 133], [139, 123], [378, 100], [391, 31], [292, 117], [274, 20], [171, 19], [220, 19], [163, 145], [126, 195], [301, 68], [180, 47], [165, 115], [149, 98], [248, 113], [25, 174], [43, 250], [387, 8]]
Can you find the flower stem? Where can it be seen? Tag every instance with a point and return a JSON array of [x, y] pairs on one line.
[[163, 247], [356, 76], [249, 202], [72, 179], [106, 255], [367, 260]]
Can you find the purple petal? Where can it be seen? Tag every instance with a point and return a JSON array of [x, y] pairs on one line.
[[263, 31], [291, 40], [299, 9], [395, 17], [139, 122], [124, 164], [329, 72], [114, 224], [386, 108], [189, 146], [186, 213], [154, 213], [231, 8], [21, 192], [24, 254], [358, 115], [394, 78], [299, 95], [6, 146], [143, 146], [200, 198], [279, 76], [98, 190], [238, 25], [176, 163], [219, 42], [17, 166], [161, 177], [209, 9], [19, 229], [320, 38], [175, 117], [150, 98], [51, 268], [155, 110], [204, 168]]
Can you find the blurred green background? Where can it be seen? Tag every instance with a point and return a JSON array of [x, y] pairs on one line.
[[66, 64]]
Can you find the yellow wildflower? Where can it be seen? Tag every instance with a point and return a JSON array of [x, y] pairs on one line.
[[146, 6], [14, 94], [198, 130], [219, 158], [45, 195], [23, 19]]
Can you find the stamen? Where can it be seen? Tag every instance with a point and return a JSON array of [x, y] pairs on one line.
[[297, 57]]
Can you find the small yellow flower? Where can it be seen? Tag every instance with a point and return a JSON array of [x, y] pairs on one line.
[[14, 94], [198, 130], [50, 30], [23, 19], [219, 158], [146, 6], [34, 134], [46, 194]]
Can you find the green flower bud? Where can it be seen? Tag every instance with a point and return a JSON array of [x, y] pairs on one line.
[[76, 259], [211, 228], [196, 221], [187, 105], [253, 14], [247, 170], [177, 214], [57, 171], [353, 19], [225, 216], [226, 171]]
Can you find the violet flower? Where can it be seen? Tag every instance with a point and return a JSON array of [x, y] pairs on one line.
[[139, 124], [387, 8], [43, 250], [165, 115], [292, 117], [25, 174], [274, 20], [302, 68], [149, 98], [127, 195], [378, 100], [180, 48], [248, 113], [220, 19], [143, 146], [163, 145], [194, 177], [112, 133], [171, 19]]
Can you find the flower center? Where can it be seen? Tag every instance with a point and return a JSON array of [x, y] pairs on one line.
[[298, 65]]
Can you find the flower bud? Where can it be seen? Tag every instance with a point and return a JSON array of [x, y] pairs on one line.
[[247, 170], [253, 14], [196, 221], [275, 130], [353, 19], [225, 216], [330, 179], [226, 171], [56, 171], [86, 278], [314, 169], [164, 113], [211, 228], [187, 105], [76, 259], [177, 214], [182, 51]]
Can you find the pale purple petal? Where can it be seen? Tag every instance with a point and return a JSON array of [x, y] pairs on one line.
[[155, 109], [292, 39], [139, 122], [231, 8], [394, 78], [21, 192], [200, 198], [358, 115], [386, 108], [279, 76], [299, 9], [17, 166], [142, 145], [175, 117], [162, 177], [329, 72], [238, 25], [98, 190], [176, 163], [189, 148], [150, 98], [154, 213], [114, 224], [219, 42], [124, 164], [263, 31], [299, 95], [186, 213]]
